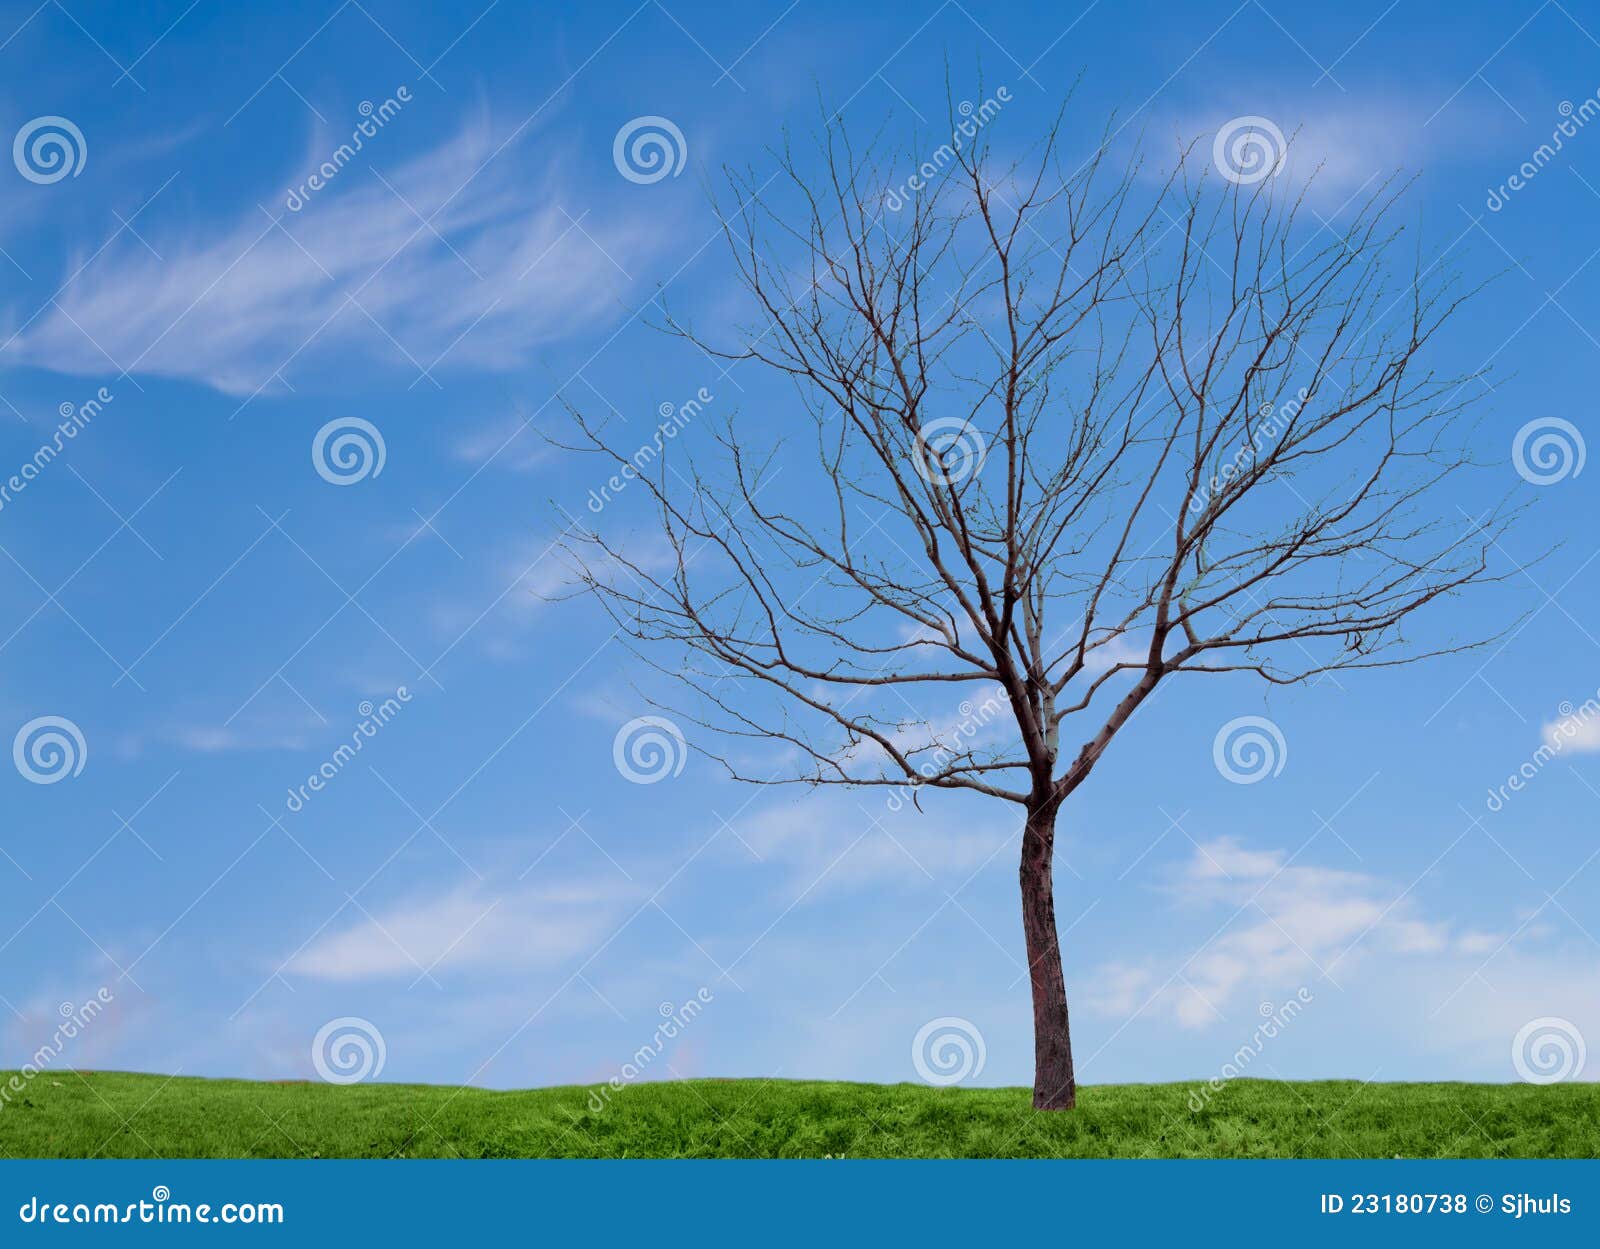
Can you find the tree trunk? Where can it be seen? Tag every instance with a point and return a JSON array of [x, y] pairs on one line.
[[1054, 1087]]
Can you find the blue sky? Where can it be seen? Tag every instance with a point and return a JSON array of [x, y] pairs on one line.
[[480, 884]]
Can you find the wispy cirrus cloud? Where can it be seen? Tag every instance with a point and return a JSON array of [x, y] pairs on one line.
[[837, 842], [1338, 150], [460, 256], [509, 443], [476, 926]]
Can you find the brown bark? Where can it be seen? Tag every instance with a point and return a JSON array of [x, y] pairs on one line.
[[1127, 512], [1054, 1085]]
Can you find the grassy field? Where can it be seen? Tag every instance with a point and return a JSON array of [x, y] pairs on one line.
[[105, 1114]]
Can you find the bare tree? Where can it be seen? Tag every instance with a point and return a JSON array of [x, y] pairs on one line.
[[1070, 434]]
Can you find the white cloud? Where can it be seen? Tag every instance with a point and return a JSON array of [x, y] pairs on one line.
[[1226, 858], [208, 734], [1579, 731], [501, 267], [1117, 649], [509, 443], [519, 580], [212, 740], [1339, 146], [1288, 924], [840, 841], [471, 926], [1479, 942]]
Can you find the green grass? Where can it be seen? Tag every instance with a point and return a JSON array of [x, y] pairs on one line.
[[105, 1114]]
